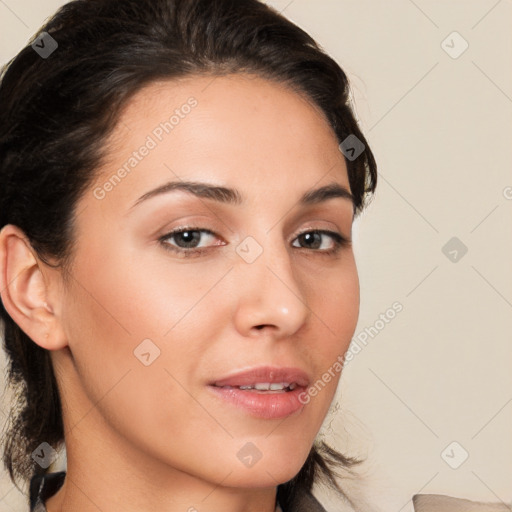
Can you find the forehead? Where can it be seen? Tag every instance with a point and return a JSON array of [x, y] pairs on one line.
[[227, 93], [248, 108], [247, 131]]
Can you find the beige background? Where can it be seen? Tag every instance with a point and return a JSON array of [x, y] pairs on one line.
[[440, 371]]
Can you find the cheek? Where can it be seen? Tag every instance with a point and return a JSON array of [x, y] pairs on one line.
[[335, 304], [110, 315], [335, 310], [138, 296], [125, 312]]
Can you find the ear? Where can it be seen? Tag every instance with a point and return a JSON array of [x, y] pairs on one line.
[[30, 290]]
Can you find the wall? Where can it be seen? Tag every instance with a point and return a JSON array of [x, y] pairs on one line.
[[432, 384]]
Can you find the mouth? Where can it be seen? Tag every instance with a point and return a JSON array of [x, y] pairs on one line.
[[264, 392], [265, 387]]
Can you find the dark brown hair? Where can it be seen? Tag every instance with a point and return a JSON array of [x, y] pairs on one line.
[[58, 111]]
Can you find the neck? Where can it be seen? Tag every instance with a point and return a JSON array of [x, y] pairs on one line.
[[92, 490]]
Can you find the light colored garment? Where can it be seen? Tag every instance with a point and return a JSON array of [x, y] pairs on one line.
[[440, 503]]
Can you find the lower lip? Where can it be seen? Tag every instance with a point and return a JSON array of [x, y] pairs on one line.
[[262, 404]]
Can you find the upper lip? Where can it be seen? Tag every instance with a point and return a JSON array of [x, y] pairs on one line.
[[270, 374]]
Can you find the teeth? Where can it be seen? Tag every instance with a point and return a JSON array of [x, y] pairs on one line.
[[282, 385], [262, 386], [267, 386]]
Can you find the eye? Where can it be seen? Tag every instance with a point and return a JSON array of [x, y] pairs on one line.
[[188, 240], [327, 242], [193, 241]]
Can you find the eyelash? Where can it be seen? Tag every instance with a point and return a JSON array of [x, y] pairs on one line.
[[339, 242]]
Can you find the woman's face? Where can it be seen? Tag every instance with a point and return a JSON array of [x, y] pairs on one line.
[[154, 320]]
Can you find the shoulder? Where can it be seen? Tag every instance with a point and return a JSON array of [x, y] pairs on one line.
[[42, 487], [441, 503]]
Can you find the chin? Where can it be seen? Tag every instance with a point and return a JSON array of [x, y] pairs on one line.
[[275, 470]]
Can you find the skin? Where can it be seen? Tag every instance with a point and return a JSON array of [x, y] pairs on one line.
[[155, 433]]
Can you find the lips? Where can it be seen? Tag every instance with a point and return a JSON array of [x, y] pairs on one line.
[[291, 377], [265, 392]]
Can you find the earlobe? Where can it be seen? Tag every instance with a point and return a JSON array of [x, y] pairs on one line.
[[25, 290]]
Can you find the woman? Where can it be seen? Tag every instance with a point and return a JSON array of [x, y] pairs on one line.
[[178, 184]]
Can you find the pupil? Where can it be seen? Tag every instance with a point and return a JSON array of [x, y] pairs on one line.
[[189, 238], [312, 239]]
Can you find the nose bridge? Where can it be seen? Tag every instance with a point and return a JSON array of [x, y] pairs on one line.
[[269, 292]]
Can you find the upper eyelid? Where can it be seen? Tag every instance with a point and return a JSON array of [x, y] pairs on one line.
[[211, 231]]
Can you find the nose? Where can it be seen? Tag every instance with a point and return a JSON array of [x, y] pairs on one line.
[[270, 298]]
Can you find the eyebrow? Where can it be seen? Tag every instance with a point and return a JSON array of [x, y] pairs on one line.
[[234, 197]]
